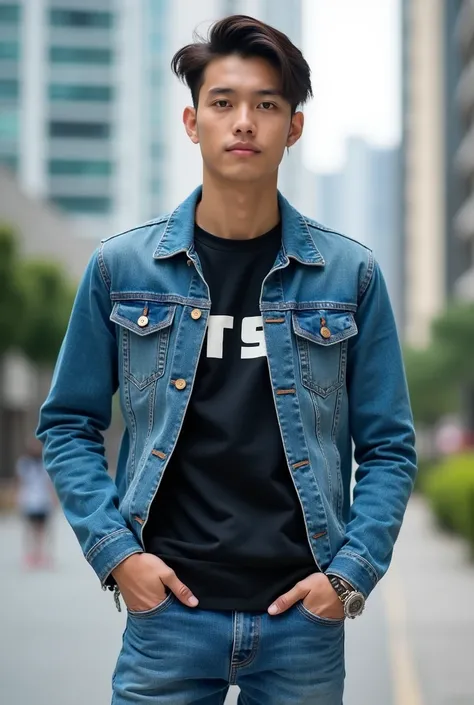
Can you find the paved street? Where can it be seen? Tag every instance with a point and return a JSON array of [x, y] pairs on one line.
[[415, 646]]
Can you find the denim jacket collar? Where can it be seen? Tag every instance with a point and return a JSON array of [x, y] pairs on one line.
[[298, 242]]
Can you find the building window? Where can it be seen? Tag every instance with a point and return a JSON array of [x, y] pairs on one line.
[[9, 88], [63, 91], [8, 125], [84, 204], [9, 14], [82, 130], [80, 18], [76, 167], [10, 161], [79, 55], [9, 51]]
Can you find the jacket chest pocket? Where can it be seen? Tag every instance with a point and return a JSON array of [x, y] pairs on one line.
[[322, 339], [144, 330]]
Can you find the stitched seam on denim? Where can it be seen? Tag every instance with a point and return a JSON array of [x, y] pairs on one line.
[[255, 644], [368, 276], [103, 268], [335, 425], [128, 406], [151, 413], [149, 224], [165, 232], [319, 226], [232, 669], [160, 298], [320, 443], [364, 563], [307, 305], [308, 237], [105, 540]]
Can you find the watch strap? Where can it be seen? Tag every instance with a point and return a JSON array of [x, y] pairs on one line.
[[342, 591]]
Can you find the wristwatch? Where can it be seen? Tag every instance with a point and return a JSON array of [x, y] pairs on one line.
[[353, 600]]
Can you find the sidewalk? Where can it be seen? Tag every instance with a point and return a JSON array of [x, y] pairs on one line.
[[429, 595]]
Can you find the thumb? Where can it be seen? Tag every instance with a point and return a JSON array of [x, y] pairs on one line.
[[284, 602], [182, 592]]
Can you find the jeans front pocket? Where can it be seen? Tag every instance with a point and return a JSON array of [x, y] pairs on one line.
[[311, 617], [144, 329], [322, 339], [158, 609]]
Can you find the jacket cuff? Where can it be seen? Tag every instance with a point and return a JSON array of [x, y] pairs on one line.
[[110, 551], [355, 570]]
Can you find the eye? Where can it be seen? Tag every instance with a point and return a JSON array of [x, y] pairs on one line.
[[221, 103], [268, 106]]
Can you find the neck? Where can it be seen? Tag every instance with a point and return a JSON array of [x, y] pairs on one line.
[[238, 212]]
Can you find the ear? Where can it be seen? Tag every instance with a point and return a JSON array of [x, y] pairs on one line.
[[190, 124], [296, 129]]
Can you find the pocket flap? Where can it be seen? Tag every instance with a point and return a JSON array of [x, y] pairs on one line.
[[127, 314], [310, 324]]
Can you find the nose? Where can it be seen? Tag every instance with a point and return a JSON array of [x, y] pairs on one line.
[[244, 123]]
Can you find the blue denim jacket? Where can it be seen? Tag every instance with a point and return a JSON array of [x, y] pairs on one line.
[[335, 367]]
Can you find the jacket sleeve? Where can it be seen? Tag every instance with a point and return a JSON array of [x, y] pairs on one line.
[[78, 409], [382, 431]]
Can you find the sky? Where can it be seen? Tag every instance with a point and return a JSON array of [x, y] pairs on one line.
[[353, 48]]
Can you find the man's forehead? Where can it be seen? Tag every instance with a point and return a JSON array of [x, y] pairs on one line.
[[241, 74]]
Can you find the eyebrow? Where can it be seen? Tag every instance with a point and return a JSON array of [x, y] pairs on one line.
[[218, 90]]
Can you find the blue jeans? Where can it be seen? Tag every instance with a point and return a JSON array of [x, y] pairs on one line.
[[177, 655]]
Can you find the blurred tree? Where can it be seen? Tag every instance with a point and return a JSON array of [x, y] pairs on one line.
[[453, 332], [12, 295], [49, 299], [432, 391]]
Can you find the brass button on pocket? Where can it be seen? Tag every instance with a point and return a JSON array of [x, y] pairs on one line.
[[325, 332], [196, 314], [180, 384], [143, 321]]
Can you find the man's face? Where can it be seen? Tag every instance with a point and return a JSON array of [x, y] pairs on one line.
[[242, 122]]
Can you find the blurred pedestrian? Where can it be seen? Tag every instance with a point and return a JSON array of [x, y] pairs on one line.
[[35, 501], [251, 347]]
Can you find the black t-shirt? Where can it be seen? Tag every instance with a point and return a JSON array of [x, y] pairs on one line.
[[227, 517]]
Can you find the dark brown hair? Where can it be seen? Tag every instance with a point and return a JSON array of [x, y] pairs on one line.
[[247, 37]]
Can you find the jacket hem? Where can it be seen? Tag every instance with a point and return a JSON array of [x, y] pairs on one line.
[[106, 555], [355, 570]]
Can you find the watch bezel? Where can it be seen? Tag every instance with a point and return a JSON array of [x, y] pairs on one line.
[[353, 597]]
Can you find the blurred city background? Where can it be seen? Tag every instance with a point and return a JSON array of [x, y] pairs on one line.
[[91, 143]]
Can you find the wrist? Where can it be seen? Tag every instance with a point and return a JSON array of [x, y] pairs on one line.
[[124, 566]]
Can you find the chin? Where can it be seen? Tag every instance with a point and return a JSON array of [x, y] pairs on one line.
[[243, 176]]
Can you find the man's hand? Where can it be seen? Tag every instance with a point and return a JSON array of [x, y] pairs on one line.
[[142, 578], [318, 595]]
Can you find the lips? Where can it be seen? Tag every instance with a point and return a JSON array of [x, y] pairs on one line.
[[243, 147]]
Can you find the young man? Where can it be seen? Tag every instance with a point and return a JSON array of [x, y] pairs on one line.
[[250, 346]]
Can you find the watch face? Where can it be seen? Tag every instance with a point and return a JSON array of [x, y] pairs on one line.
[[355, 605]]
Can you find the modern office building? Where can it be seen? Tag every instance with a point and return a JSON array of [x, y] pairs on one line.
[[438, 166], [460, 65], [81, 105]]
